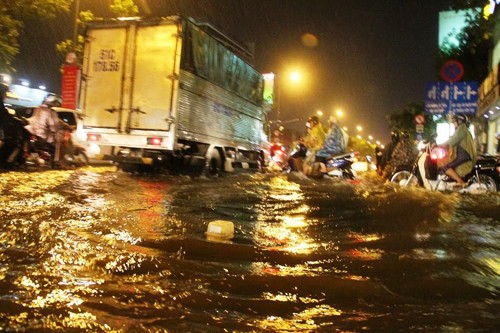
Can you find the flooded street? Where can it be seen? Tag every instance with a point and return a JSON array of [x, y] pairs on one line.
[[104, 251]]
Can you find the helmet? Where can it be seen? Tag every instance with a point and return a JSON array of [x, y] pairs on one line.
[[52, 100], [4, 87], [313, 119], [460, 118]]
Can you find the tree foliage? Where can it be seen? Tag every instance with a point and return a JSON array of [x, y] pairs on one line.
[[12, 15], [119, 8], [475, 41], [404, 120], [124, 8]]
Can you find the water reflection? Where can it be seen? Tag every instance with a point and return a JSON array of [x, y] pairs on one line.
[[101, 251]]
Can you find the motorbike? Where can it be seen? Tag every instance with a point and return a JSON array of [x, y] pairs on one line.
[[341, 166], [483, 178], [41, 152]]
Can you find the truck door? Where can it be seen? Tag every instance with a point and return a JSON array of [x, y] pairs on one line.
[[103, 77], [155, 71]]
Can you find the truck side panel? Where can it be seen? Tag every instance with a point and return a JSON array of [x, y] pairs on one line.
[[212, 114]]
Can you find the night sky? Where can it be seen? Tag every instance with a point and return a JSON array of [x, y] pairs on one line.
[[372, 57]]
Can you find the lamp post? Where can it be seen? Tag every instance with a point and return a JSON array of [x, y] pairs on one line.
[[75, 27]]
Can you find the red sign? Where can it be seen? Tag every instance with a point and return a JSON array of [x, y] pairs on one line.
[[420, 119], [70, 85], [452, 71]]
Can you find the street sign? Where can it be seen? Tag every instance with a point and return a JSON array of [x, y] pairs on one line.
[[419, 119], [452, 71], [458, 97], [419, 128]]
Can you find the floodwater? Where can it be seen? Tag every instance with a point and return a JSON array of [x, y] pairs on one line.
[[95, 250]]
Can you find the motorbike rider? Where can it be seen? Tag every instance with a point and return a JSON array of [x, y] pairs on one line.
[[46, 124], [387, 152], [298, 154], [334, 142], [313, 141], [13, 131], [462, 151], [4, 88], [402, 157]]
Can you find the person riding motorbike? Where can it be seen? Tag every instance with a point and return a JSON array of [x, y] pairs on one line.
[[4, 114], [313, 141], [298, 153], [387, 152], [402, 157], [13, 139], [462, 153], [46, 124], [334, 142]]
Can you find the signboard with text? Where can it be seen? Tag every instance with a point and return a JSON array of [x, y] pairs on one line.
[[70, 85], [448, 97]]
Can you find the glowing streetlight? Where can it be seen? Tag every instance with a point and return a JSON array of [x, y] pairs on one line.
[[295, 76], [339, 113], [359, 128], [370, 137], [319, 113]]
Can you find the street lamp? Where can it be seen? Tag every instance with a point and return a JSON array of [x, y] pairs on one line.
[[359, 128], [295, 76]]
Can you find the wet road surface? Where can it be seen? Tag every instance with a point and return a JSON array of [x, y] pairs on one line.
[[104, 251]]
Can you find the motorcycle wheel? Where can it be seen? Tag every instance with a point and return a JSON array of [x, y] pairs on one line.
[[404, 178], [80, 159], [490, 183]]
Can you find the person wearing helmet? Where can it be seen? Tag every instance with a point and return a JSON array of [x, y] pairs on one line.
[[402, 157], [462, 151], [313, 141], [387, 152], [334, 142], [4, 113], [46, 124], [13, 135]]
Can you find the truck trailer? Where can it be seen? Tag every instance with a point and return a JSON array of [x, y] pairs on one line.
[[170, 94]]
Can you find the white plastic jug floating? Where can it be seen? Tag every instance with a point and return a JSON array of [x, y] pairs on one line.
[[220, 229]]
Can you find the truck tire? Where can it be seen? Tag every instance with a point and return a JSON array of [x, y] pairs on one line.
[[214, 165]]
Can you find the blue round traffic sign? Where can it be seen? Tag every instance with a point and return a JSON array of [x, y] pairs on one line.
[[452, 71]]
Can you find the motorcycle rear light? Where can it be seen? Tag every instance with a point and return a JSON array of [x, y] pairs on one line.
[[93, 137], [154, 141], [438, 154]]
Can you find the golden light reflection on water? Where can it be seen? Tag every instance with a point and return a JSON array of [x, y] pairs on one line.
[[285, 232], [301, 321]]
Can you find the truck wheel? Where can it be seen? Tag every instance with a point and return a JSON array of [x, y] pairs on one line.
[[214, 165]]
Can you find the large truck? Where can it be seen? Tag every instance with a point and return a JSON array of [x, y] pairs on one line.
[[170, 93]]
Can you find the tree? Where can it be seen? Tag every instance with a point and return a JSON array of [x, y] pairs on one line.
[[404, 120], [475, 41], [12, 15], [119, 8]]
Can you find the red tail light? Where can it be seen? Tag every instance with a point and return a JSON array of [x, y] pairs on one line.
[[155, 141], [93, 137]]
